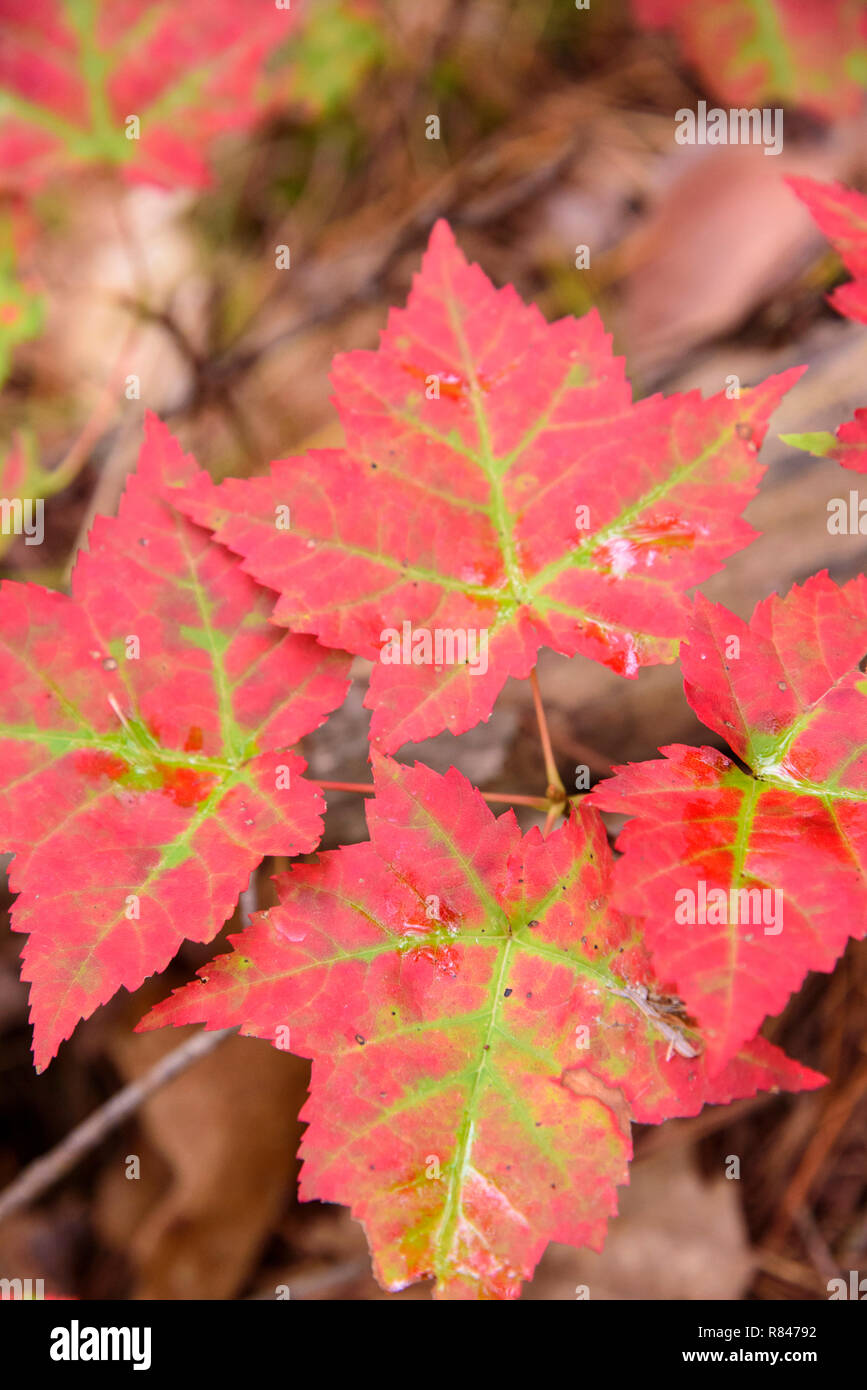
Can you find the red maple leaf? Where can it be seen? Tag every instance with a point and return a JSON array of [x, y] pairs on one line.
[[750, 876], [143, 723], [796, 51], [497, 493], [842, 215], [848, 446], [72, 74], [483, 1026]]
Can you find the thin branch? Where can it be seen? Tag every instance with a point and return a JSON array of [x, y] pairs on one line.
[[538, 803], [556, 790], [44, 1172], [836, 1115]]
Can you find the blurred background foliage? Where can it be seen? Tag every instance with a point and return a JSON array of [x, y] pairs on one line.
[[556, 130]]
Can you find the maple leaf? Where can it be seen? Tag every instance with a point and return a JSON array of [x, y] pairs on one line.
[[788, 829], [473, 1007], [848, 446], [841, 213], [73, 71], [142, 728], [497, 489], [811, 55]]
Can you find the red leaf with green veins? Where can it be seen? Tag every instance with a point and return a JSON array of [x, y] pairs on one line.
[[751, 876], [483, 1028], [142, 729], [72, 73], [497, 493], [841, 213], [848, 446], [754, 51]]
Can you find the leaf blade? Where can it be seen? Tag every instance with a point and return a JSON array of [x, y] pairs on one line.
[[451, 1105], [144, 731]]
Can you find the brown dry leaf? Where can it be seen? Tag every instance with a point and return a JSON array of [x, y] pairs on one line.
[[726, 233], [228, 1130]]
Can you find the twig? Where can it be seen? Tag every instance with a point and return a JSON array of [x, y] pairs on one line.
[[815, 1245], [556, 790], [837, 1112], [538, 803], [45, 1171], [787, 1271]]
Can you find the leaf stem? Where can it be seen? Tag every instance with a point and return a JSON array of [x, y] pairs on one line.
[[556, 790], [538, 803]]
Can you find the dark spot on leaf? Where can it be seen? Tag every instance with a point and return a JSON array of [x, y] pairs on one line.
[[533, 923], [506, 993], [360, 1040]]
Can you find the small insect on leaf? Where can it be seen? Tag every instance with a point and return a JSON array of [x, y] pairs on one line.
[[520, 1066], [750, 874]]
